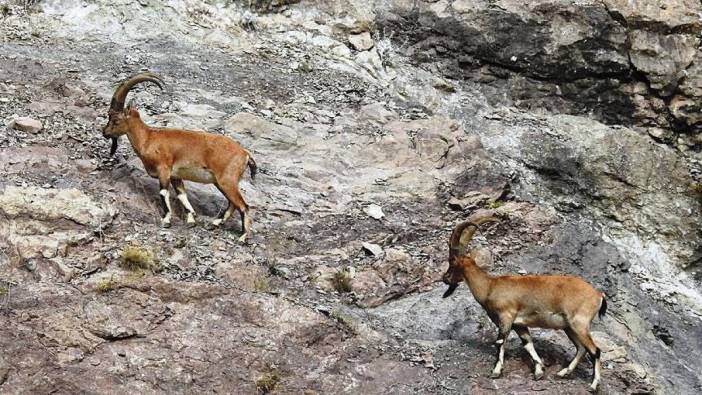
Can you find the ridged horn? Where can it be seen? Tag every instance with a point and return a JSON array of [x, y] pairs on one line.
[[117, 103], [458, 240]]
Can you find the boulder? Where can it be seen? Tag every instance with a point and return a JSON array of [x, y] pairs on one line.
[[258, 129], [361, 41], [584, 57], [44, 222], [26, 124]]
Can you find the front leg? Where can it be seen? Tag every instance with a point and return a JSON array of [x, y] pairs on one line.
[[179, 186], [505, 324], [528, 344], [164, 179]]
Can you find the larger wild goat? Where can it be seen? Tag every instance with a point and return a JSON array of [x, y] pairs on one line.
[[520, 302], [174, 155]]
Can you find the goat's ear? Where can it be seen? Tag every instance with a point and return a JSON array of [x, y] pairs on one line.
[[131, 104], [133, 112]]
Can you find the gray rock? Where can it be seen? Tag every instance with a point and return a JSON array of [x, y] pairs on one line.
[[25, 124], [44, 222], [259, 129], [374, 211], [361, 42], [373, 249], [659, 41], [454, 107], [616, 172]]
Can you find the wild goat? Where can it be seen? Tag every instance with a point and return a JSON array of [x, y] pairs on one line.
[[521, 302], [174, 155]]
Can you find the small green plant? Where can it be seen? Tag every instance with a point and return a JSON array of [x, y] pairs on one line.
[[269, 5], [495, 204], [261, 284], [344, 320], [696, 187], [5, 291], [267, 382], [137, 258], [342, 281], [105, 285]]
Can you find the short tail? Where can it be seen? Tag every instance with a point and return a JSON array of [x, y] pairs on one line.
[[603, 307], [252, 167]]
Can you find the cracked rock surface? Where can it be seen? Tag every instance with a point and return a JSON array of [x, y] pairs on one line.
[[376, 126]]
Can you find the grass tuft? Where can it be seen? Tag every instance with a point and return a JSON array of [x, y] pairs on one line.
[[267, 382], [495, 204], [695, 187], [262, 284], [105, 285], [342, 281], [264, 6], [137, 258], [345, 321]]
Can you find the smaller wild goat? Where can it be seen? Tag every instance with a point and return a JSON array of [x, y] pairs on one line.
[[521, 302], [174, 155]]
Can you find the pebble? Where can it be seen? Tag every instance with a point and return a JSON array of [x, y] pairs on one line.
[[374, 249], [26, 124], [374, 211], [361, 42]]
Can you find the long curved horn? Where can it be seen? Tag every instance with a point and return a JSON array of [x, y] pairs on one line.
[[458, 240], [117, 103]]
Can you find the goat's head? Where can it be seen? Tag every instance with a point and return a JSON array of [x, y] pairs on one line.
[[118, 115], [460, 236]]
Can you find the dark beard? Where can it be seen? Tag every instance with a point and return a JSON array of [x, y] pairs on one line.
[[449, 291]]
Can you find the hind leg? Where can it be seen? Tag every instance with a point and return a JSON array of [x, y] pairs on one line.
[[245, 221], [236, 201], [225, 215], [582, 333], [578, 354]]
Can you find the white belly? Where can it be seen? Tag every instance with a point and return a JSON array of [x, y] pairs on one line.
[[543, 319], [196, 174]]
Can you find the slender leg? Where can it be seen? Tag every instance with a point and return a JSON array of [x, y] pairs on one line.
[[578, 354], [179, 186], [528, 343], [245, 224], [597, 370], [583, 336], [505, 327], [225, 215], [164, 177], [236, 201]]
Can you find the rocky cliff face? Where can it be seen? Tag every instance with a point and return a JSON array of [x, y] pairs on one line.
[[631, 63], [377, 125]]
